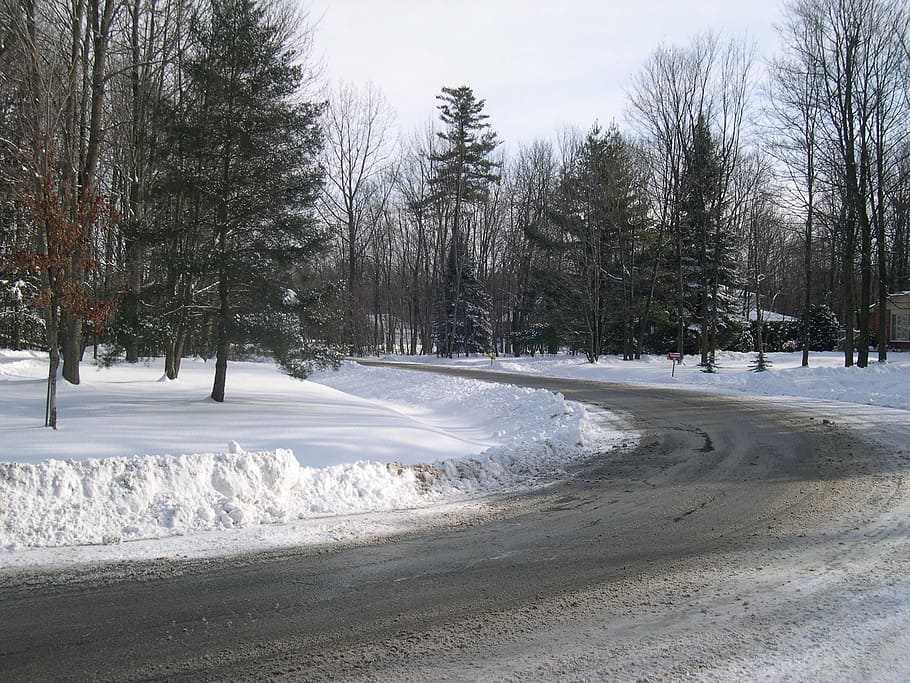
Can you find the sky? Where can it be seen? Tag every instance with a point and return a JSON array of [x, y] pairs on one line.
[[540, 65]]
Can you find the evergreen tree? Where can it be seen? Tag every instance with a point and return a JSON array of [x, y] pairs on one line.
[[253, 178], [463, 174], [463, 328], [21, 327], [594, 291], [824, 329], [707, 266], [464, 169]]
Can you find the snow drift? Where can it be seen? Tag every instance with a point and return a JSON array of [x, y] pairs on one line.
[[107, 501]]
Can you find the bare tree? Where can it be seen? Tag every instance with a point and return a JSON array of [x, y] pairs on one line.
[[358, 127], [854, 52], [794, 107], [710, 81]]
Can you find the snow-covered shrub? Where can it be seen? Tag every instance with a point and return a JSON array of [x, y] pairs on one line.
[[824, 329], [744, 341]]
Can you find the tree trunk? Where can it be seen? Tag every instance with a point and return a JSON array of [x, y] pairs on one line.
[[881, 258], [865, 298], [652, 285], [222, 344], [170, 360], [680, 298], [131, 304], [72, 347], [132, 251], [53, 354], [849, 300], [807, 255], [173, 353]]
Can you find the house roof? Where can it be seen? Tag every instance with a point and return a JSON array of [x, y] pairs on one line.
[[899, 298], [899, 301], [770, 316]]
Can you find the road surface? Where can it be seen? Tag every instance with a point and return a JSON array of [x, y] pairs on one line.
[[738, 538]]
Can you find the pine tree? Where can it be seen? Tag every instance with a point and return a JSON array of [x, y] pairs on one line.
[[824, 330], [463, 174], [254, 177], [464, 169]]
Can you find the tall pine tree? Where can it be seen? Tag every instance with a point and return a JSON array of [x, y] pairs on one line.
[[463, 174], [593, 291]]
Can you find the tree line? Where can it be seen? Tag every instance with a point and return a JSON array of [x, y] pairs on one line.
[[735, 187], [174, 183]]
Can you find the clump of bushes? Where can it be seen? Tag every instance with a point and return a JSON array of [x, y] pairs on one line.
[[787, 335]]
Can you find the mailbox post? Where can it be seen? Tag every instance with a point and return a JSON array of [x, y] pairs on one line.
[[676, 358]]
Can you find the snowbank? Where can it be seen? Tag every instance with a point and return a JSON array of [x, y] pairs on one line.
[[107, 501], [536, 432]]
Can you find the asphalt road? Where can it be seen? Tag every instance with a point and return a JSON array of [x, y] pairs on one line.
[[713, 478]]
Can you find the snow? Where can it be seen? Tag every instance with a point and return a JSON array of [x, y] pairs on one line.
[[769, 316], [881, 384], [141, 459], [146, 468], [142, 466]]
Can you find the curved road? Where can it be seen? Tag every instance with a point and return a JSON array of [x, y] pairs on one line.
[[680, 557]]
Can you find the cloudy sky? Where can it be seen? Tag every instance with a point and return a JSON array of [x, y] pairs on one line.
[[539, 64]]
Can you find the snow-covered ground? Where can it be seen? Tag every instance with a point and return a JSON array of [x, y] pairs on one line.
[[144, 467], [826, 378]]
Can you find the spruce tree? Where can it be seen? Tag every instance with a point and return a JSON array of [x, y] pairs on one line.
[[593, 291], [824, 330], [253, 177], [706, 259], [466, 327]]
